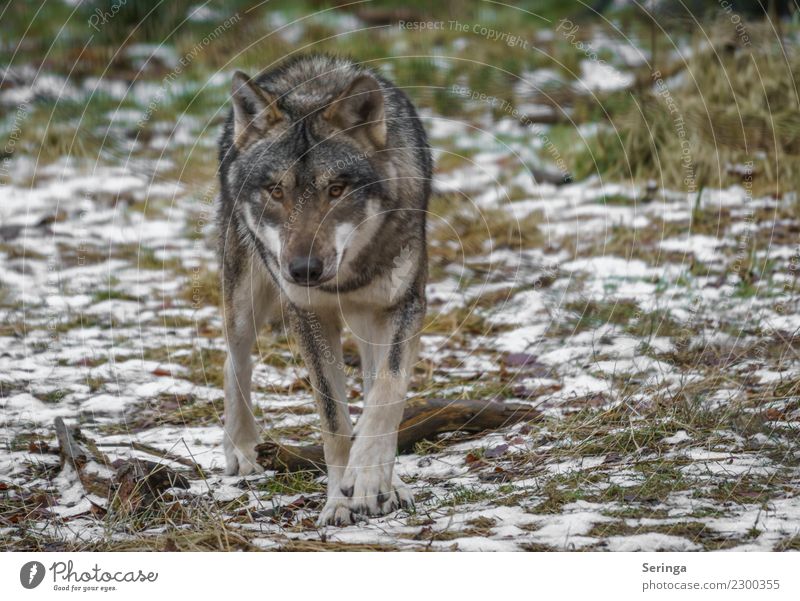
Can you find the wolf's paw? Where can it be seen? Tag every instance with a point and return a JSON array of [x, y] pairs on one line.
[[339, 511], [368, 495], [369, 489], [405, 500], [241, 460]]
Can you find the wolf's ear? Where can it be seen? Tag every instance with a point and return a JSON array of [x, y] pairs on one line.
[[254, 110], [360, 108]]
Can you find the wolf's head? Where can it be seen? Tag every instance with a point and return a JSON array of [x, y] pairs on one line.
[[309, 178]]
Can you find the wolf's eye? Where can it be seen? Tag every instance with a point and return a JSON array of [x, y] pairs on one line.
[[335, 190], [276, 192]]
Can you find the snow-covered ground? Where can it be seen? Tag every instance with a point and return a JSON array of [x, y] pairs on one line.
[[668, 388]]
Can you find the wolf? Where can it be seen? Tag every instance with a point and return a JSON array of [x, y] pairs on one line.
[[325, 175]]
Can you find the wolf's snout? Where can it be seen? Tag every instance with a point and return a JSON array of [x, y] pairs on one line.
[[306, 270]]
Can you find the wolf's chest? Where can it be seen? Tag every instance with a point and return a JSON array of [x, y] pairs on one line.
[[377, 294]]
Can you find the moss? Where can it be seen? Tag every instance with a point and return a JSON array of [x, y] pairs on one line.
[[203, 288], [291, 484], [693, 531], [747, 490], [205, 366], [463, 495], [589, 314], [790, 544], [723, 121], [558, 493]]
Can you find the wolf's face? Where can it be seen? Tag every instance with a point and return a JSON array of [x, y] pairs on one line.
[[307, 179]]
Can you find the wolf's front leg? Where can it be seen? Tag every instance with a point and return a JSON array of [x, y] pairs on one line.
[[247, 301], [319, 340], [369, 485], [241, 431]]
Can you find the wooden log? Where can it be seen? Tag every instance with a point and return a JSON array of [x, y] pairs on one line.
[[423, 419]]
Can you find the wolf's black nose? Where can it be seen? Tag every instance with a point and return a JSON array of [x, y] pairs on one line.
[[305, 270]]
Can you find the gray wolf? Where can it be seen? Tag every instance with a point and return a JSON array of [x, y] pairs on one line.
[[325, 174]]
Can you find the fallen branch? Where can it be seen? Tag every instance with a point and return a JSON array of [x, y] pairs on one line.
[[423, 419], [142, 483], [70, 450], [151, 450], [77, 451]]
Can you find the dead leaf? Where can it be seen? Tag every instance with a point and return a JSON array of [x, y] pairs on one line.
[[496, 452]]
